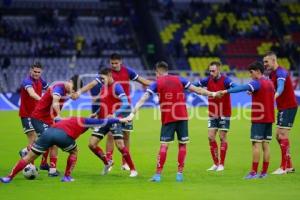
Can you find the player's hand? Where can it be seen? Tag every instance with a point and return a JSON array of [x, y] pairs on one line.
[[220, 94], [276, 96], [249, 93]]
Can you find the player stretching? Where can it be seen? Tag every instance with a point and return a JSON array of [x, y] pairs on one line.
[[262, 114], [31, 92], [287, 108], [121, 74], [219, 114], [48, 109], [170, 90], [62, 134], [113, 102]]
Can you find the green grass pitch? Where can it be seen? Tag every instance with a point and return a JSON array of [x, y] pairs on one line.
[[198, 183]]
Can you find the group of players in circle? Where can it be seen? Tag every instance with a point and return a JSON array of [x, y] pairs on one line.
[[113, 115]]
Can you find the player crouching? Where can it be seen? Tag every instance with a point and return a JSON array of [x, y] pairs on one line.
[[63, 134]]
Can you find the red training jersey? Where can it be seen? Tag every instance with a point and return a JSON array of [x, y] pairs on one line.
[[44, 111], [27, 102], [218, 107], [172, 99], [287, 99], [263, 102], [73, 126]]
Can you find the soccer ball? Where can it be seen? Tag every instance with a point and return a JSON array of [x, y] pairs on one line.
[[30, 172]]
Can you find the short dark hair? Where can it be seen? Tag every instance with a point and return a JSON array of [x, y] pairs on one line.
[[115, 56], [77, 82], [105, 71], [37, 65], [256, 66], [217, 63], [162, 65], [270, 53]]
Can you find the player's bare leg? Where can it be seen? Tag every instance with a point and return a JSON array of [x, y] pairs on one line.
[[53, 151], [223, 149], [282, 136], [126, 155], [213, 148], [19, 166], [94, 147], [71, 162]]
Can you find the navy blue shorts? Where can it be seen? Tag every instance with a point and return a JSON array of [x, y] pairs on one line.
[[285, 118], [261, 132], [115, 129], [53, 136], [26, 124], [39, 126], [221, 123], [168, 132]]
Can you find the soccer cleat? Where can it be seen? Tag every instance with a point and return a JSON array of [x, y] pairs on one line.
[[213, 168], [290, 170], [133, 173], [5, 179], [23, 152], [53, 172], [263, 175], [251, 175], [107, 168], [67, 179], [125, 167], [179, 177], [279, 171], [220, 168], [44, 167], [156, 178]]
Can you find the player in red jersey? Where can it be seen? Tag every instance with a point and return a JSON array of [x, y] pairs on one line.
[[113, 102], [170, 90], [48, 110], [31, 92], [287, 109], [123, 75], [262, 116], [62, 134], [219, 113]]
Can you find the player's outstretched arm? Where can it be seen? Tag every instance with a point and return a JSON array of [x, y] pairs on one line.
[[143, 81], [84, 89], [201, 91], [138, 105]]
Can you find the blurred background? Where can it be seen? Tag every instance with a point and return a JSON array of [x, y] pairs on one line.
[[77, 36]]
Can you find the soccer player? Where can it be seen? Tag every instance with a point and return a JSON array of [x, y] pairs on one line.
[[48, 110], [31, 92], [287, 108], [63, 134], [170, 89], [114, 102], [262, 114], [219, 113], [122, 74]]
